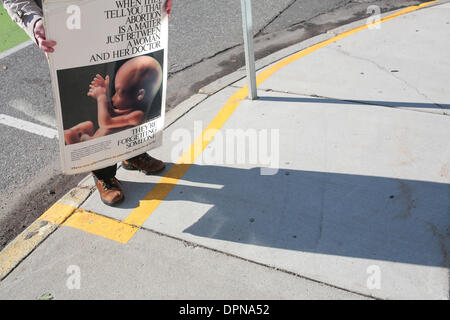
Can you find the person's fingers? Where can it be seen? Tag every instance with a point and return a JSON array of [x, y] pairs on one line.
[[46, 49], [107, 81], [168, 7], [43, 45], [48, 43], [39, 33]]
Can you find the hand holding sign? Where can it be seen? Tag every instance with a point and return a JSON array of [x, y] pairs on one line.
[[44, 44], [168, 7]]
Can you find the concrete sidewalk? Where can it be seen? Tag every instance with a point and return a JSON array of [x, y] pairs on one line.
[[358, 127]]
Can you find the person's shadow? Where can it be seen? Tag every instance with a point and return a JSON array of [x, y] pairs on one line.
[[348, 215]]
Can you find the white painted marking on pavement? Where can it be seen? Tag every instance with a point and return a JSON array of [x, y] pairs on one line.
[[15, 49], [27, 108], [28, 126]]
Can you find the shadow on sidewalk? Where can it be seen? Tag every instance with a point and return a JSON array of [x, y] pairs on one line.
[[395, 104], [348, 215]]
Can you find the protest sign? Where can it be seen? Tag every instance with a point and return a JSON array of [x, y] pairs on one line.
[[109, 75]]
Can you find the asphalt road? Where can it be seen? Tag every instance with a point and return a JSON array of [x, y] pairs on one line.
[[204, 45]]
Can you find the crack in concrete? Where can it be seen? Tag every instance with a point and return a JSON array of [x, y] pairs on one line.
[[306, 22], [260, 32], [443, 241], [369, 103], [192, 245], [380, 67]]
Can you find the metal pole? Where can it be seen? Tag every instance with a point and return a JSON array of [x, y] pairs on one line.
[[247, 26]]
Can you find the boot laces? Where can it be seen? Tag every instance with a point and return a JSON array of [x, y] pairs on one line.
[[145, 160], [108, 184]]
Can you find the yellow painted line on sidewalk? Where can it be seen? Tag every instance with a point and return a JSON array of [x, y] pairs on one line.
[[153, 199], [111, 229], [57, 213], [101, 226], [274, 68], [39, 230]]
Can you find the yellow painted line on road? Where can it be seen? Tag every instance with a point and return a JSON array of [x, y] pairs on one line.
[[112, 229]]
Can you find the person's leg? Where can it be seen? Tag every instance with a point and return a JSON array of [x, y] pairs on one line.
[[106, 173], [144, 163], [108, 186]]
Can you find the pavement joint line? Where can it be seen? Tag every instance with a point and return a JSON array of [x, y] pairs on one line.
[[83, 216], [196, 245], [369, 103], [63, 210], [276, 17]]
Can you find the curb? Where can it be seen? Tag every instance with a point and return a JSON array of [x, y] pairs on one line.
[[25, 243], [18, 47]]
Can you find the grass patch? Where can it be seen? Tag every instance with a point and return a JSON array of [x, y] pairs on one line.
[[10, 33]]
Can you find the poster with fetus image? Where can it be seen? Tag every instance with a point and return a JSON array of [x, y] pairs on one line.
[[109, 74]]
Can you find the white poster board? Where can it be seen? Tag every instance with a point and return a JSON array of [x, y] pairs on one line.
[[109, 78]]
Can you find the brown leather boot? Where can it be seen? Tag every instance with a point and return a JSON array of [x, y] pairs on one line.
[[110, 191], [144, 163]]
